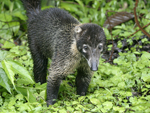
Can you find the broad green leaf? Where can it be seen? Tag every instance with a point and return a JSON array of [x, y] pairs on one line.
[[116, 32], [125, 34], [18, 68], [1, 101], [119, 109], [37, 109], [15, 50], [4, 80], [146, 77], [131, 57], [12, 101], [30, 96], [70, 7], [8, 69], [81, 98], [147, 97], [121, 85], [7, 2], [19, 96], [95, 101], [6, 34], [108, 36], [5, 17], [19, 14], [43, 93], [71, 109], [148, 86], [87, 1], [83, 8], [22, 90], [128, 94], [62, 111], [8, 45], [145, 55], [3, 54], [108, 105], [80, 3], [74, 103], [14, 26]]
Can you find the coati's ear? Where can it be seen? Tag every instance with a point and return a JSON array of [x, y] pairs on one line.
[[77, 29]]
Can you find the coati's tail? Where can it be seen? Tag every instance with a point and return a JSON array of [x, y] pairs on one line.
[[33, 7]]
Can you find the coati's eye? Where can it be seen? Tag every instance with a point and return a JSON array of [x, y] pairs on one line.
[[85, 48], [100, 46]]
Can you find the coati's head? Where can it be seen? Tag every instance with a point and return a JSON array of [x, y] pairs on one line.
[[91, 42]]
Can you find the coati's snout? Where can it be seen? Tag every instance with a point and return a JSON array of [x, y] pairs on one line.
[[92, 55], [90, 43]]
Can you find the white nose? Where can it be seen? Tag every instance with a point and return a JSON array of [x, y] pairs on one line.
[[94, 66]]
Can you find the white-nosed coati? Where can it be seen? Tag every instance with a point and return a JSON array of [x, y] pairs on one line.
[[55, 34]]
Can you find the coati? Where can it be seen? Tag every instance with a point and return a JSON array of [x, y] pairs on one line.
[[53, 33]]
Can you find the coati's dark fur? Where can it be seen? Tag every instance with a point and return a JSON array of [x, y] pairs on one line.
[[55, 34]]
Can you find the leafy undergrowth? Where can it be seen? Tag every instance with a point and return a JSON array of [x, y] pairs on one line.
[[123, 87], [120, 87]]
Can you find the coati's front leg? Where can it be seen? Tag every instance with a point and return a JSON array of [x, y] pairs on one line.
[[58, 70], [53, 84], [83, 79]]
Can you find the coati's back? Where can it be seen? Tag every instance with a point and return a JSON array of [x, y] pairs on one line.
[[53, 26]]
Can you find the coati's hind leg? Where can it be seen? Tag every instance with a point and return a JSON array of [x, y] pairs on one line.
[[40, 65], [82, 80], [40, 68]]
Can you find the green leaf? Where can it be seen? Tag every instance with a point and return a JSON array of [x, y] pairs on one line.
[[121, 85], [5, 17], [146, 77], [131, 57], [19, 96], [8, 69], [116, 32], [81, 4], [43, 93], [62, 111], [3, 54], [145, 55], [71, 109], [74, 103], [14, 26], [1, 101], [95, 101], [22, 90], [6, 34], [30, 96], [18, 68], [8, 45], [70, 7], [7, 2], [19, 14], [12, 101], [4, 80], [118, 108], [108, 105]]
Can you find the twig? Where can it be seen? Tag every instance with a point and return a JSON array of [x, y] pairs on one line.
[[138, 30], [136, 20]]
